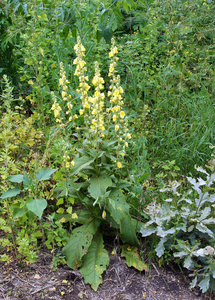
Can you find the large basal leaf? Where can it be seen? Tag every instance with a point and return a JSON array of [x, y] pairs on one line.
[[128, 232], [11, 193], [99, 185], [95, 262], [79, 243], [81, 163], [37, 206], [132, 258], [45, 174], [119, 211], [118, 207]]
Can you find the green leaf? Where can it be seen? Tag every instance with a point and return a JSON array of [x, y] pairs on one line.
[[19, 212], [128, 233], [132, 258], [11, 193], [118, 207], [27, 182], [79, 243], [37, 206], [15, 178], [99, 185], [45, 174], [119, 211], [95, 262], [80, 164]]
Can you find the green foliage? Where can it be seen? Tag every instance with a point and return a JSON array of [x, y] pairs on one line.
[[95, 262], [187, 230]]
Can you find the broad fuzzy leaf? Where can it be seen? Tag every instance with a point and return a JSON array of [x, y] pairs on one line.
[[45, 174], [11, 193], [119, 211], [128, 232], [99, 185], [37, 206], [133, 259], [79, 243], [118, 207], [95, 262], [81, 163]]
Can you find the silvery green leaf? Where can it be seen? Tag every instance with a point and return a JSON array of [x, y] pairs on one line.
[[199, 169], [190, 228], [193, 283], [200, 252], [204, 283], [205, 213], [147, 231], [160, 247], [169, 200], [181, 254], [201, 181], [209, 221], [211, 180], [194, 184], [188, 262], [182, 227], [202, 228], [163, 233]]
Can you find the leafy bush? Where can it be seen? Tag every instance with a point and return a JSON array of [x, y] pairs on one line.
[[186, 228]]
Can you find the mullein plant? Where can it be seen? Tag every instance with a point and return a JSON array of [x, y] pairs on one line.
[[99, 135]]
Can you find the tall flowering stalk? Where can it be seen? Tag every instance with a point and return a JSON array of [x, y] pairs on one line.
[[102, 120], [93, 179]]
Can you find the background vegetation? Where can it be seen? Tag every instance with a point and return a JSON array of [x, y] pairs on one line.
[[49, 170]]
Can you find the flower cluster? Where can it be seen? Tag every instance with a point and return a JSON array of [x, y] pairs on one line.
[[56, 108], [116, 101], [97, 122], [101, 119], [80, 72]]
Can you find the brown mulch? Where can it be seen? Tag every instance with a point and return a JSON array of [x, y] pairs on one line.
[[38, 281]]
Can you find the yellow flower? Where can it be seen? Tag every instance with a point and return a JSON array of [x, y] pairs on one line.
[[72, 163], [122, 114], [116, 127], [119, 165], [129, 136], [81, 111], [63, 94], [67, 164]]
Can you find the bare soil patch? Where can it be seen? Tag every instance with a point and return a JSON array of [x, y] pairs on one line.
[[39, 281]]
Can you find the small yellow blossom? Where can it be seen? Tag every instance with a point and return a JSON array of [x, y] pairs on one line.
[[116, 127], [72, 163], [122, 114], [119, 165]]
